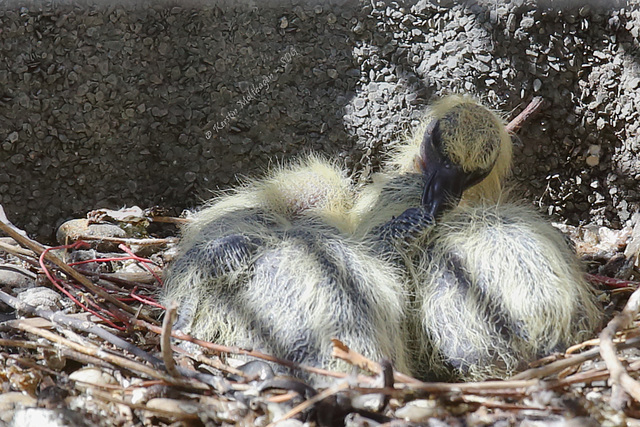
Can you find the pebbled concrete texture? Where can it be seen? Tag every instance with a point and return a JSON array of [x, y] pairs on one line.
[[161, 103]]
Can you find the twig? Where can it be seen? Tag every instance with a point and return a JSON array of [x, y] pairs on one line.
[[530, 110], [590, 376], [589, 343], [557, 366], [625, 337], [88, 327], [169, 219], [142, 261], [18, 269], [218, 348], [131, 242], [81, 325], [619, 376], [85, 359], [343, 352], [124, 362], [165, 341], [68, 293], [39, 250], [482, 401], [315, 399], [30, 364], [20, 344], [16, 250], [109, 397], [281, 398], [612, 282], [128, 279], [214, 363], [474, 387]]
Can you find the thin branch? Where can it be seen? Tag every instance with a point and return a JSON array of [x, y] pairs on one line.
[[169, 219], [132, 242], [39, 250], [530, 110], [123, 362], [557, 366], [20, 270], [16, 250], [165, 341], [315, 399], [214, 363], [343, 352], [20, 344], [81, 325], [109, 397], [218, 348], [89, 327], [612, 282], [619, 376]]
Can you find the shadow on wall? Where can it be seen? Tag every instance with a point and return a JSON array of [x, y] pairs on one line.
[[111, 105], [570, 160], [160, 103]]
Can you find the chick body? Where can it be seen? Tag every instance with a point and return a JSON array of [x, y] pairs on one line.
[[292, 260], [272, 267], [495, 286]]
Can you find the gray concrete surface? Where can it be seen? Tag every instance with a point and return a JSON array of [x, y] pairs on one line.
[[158, 103]]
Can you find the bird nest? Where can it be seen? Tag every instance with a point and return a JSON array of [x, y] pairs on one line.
[[82, 342]]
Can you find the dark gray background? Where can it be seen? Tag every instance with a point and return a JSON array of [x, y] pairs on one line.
[[106, 105]]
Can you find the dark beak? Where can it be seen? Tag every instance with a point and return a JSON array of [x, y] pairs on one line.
[[444, 180], [443, 188]]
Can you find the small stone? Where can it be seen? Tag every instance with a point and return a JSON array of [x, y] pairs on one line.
[[77, 229], [92, 376], [10, 401], [17, 159], [527, 22], [537, 85], [15, 279], [190, 176], [180, 409], [12, 137], [41, 297], [593, 161], [633, 83], [418, 411]]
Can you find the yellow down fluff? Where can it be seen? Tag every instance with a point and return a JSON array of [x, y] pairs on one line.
[[284, 263], [269, 267]]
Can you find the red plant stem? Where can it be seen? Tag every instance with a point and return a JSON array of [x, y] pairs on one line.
[[612, 282], [64, 291], [145, 300], [144, 262]]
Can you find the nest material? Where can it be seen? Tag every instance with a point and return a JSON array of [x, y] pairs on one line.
[[60, 362]]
